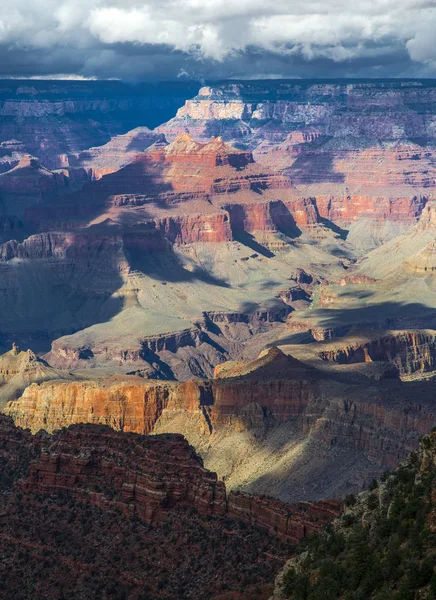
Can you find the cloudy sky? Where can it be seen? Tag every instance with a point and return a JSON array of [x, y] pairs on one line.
[[215, 39]]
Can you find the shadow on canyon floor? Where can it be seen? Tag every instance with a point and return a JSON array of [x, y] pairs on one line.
[[166, 267], [383, 315], [132, 186], [247, 239], [342, 233]]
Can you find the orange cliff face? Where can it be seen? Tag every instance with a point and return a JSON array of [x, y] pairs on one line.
[[283, 387], [270, 393]]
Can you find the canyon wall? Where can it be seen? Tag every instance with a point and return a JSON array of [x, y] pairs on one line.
[[130, 472], [290, 522], [409, 351], [254, 404], [52, 120], [144, 476], [361, 149]]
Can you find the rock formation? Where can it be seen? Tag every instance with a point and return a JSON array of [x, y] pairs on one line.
[[55, 120], [291, 523], [19, 369], [356, 164], [83, 510], [409, 351], [274, 425], [250, 221], [193, 192], [139, 481], [30, 183]]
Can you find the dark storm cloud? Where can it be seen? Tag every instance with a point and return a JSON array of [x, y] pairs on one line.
[[217, 39]]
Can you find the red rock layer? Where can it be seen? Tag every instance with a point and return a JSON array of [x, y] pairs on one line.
[[191, 192], [382, 205], [129, 469], [290, 522]]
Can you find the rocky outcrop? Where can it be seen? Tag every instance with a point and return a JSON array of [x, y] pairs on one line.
[[423, 262], [132, 476], [29, 183], [130, 471], [290, 522], [114, 155], [20, 369], [188, 229], [380, 206], [193, 351], [147, 477], [409, 351]]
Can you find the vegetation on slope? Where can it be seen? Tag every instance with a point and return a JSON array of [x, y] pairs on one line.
[[382, 548]]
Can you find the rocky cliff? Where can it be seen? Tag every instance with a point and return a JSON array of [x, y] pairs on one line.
[[28, 183], [192, 192], [19, 369], [90, 511], [271, 426], [248, 112], [290, 522], [136, 481], [357, 164], [408, 351]]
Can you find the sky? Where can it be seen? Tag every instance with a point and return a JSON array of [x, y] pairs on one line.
[[217, 39]]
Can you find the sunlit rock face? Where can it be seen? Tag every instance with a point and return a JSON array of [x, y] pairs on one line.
[[362, 150], [273, 425]]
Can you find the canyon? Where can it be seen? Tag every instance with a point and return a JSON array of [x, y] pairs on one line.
[[247, 264]]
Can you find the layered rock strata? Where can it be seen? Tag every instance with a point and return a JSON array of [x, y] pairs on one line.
[[409, 351], [139, 481], [191, 192], [147, 477], [275, 402], [288, 521]]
